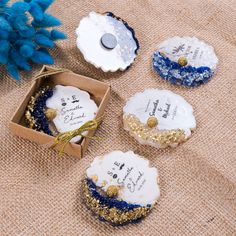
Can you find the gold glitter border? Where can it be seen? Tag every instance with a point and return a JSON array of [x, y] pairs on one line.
[[152, 135], [112, 215], [30, 107]]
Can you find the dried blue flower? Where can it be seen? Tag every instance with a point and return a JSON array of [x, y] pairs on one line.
[[24, 39], [56, 35], [42, 56], [26, 50]]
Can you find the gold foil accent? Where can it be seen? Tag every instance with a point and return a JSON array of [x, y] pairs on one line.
[[152, 122], [95, 178], [112, 215], [50, 113], [112, 191], [182, 61], [147, 134]]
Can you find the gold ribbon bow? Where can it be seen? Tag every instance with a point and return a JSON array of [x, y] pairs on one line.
[[63, 139]]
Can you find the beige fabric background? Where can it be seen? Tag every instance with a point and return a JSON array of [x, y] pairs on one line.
[[40, 191]]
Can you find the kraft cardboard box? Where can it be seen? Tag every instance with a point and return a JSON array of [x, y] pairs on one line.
[[99, 92]]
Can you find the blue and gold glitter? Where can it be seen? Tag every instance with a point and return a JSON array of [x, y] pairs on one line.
[[35, 112], [178, 74], [116, 212]]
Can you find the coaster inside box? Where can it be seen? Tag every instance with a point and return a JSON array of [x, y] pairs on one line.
[[98, 91], [52, 81]]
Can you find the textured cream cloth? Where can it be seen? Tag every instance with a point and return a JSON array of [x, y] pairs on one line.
[[40, 191]]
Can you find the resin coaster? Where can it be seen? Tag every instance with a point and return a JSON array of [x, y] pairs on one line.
[[73, 107], [121, 187], [185, 61], [159, 118], [60, 109], [106, 41]]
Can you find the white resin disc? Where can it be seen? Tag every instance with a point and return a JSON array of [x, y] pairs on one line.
[[171, 110], [74, 108], [89, 33], [138, 181], [197, 52]]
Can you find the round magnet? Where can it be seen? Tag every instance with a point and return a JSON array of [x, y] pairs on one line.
[[109, 41]]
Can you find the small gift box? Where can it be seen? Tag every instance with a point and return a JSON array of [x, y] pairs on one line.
[[48, 76]]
